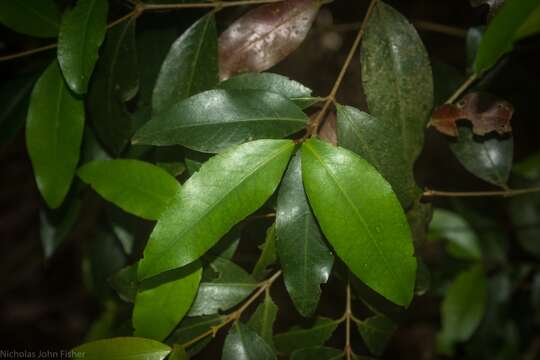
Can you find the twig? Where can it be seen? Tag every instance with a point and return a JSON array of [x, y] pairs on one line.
[[348, 316], [462, 88], [440, 28], [504, 193]]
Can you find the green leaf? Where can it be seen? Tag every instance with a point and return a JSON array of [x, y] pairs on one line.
[[56, 225], [463, 242], [39, 18], [54, 129], [473, 41], [303, 254], [124, 282], [375, 245], [292, 90], [262, 320], [375, 141], [191, 66], [179, 353], [81, 33], [531, 25], [125, 348], [242, 343], [232, 285], [114, 82], [318, 352], [489, 159], [397, 79], [164, 300], [462, 308], [503, 30], [524, 213], [268, 254], [376, 331], [136, 186], [192, 327], [226, 189], [216, 119], [300, 338]]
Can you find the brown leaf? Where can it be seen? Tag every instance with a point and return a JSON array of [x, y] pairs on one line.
[[486, 112], [327, 131], [265, 36]]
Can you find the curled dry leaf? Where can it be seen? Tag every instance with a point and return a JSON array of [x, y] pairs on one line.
[[265, 36], [486, 112]]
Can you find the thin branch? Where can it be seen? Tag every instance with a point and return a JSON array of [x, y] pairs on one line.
[[462, 88], [348, 317], [214, 4], [504, 193], [440, 28]]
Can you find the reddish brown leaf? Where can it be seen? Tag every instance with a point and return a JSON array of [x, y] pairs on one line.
[[327, 131], [486, 112], [265, 36]]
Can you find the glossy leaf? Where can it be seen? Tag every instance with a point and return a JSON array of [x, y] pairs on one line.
[[376, 331], [226, 189], [192, 327], [81, 33], [178, 353], [375, 141], [114, 82], [502, 31], [262, 320], [300, 338], [217, 119], [375, 245], [462, 308], [304, 256], [242, 343], [232, 285], [292, 90], [39, 18], [264, 36], [397, 79], [54, 129], [489, 159], [125, 283], [268, 254], [164, 301], [136, 186], [125, 348], [318, 352], [191, 66]]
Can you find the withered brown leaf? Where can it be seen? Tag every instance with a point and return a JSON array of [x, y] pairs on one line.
[[486, 112], [264, 36], [327, 132]]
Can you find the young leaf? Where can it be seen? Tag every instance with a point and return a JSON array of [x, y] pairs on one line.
[[232, 285], [397, 79], [39, 18], [376, 331], [264, 36], [375, 245], [125, 348], [303, 254], [462, 308], [318, 352], [164, 301], [114, 82], [268, 254], [292, 90], [191, 66], [217, 119], [81, 33], [300, 338], [136, 186], [489, 159], [54, 129], [242, 343], [262, 320], [375, 141], [192, 327]]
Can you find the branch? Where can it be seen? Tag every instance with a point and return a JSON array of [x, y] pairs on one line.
[[462, 88], [348, 316], [504, 193]]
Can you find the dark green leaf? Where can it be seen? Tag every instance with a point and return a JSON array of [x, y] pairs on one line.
[[524, 212], [375, 245], [300, 338], [164, 301], [397, 79], [216, 119], [136, 186], [103, 326], [242, 343], [262, 320], [32, 17], [268, 254], [473, 41], [191, 66], [376, 331], [125, 348], [81, 33], [375, 141], [192, 327], [275, 83], [124, 282], [303, 254], [179, 353], [227, 246], [56, 225], [54, 130], [488, 158], [114, 82], [226, 189], [318, 352], [232, 285], [528, 168], [531, 25]]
